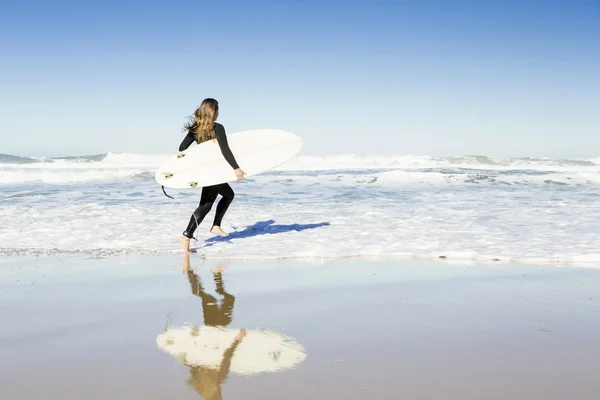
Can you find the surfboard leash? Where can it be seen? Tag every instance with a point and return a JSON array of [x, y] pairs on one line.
[[163, 189]]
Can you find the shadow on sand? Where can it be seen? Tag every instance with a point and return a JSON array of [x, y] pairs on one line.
[[263, 228]]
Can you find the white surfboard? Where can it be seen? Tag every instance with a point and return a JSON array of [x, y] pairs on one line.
[[255, 151], [258, 352]]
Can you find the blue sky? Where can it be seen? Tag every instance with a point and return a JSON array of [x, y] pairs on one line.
[[500, 78]]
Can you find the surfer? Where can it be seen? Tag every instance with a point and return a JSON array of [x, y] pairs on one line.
[[202, 127]]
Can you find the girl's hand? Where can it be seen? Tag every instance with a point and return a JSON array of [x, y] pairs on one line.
[[239, 174], [241, 334]]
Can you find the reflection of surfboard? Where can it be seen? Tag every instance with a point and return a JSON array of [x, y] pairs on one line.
[[259, 351], [255, 151]]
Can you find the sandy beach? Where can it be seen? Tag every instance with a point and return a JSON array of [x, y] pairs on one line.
[[75, 327]]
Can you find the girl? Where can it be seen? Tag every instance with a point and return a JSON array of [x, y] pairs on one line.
[[200, 128]]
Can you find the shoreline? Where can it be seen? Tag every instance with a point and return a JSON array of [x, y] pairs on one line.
[[107, 253]]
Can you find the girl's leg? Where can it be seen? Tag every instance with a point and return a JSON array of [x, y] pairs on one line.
[[227, 192], [207, 198]]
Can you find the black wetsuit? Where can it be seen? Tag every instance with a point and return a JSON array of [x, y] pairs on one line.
[[209, 193]]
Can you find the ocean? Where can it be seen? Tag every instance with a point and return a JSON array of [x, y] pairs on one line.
[[456, 208]]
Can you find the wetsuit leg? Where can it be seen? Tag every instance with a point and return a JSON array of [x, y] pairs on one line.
[[207, 198], [227, 192], [226, 307]]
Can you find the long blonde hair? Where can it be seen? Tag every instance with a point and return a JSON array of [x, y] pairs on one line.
[[202, 123]]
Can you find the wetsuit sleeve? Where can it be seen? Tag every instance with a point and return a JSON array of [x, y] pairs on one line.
[[187, 141], [226, 362], [222, 139]]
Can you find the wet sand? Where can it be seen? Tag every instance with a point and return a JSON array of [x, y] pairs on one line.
[[74, 327]]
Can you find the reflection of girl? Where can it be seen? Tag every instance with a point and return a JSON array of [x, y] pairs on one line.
[[214, 314], [207, 381]]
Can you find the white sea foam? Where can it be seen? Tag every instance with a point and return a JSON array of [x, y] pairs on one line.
[[459, 208]]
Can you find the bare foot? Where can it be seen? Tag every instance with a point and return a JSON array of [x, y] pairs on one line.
[[216, 230], [185, 242]]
